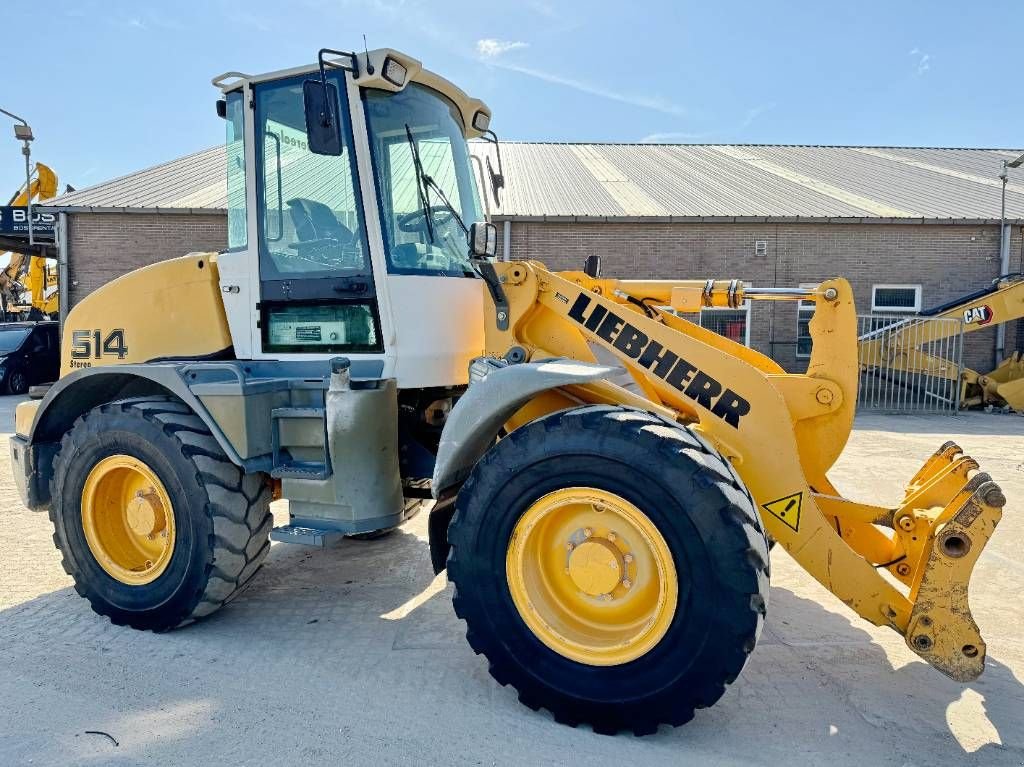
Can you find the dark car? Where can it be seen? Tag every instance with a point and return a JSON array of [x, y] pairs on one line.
[[29, 354]]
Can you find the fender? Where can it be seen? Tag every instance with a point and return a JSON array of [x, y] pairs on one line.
[[489, 402], [476, 419], [83, 389], [34, 448]]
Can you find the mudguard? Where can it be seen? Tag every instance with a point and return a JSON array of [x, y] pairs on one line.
[[489, 402]]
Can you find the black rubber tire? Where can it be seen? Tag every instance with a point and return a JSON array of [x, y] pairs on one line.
[[17, 381], [222, 516], [708, 520]]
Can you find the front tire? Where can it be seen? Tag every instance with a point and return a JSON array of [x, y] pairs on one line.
[[676, 620], [17, 381], [156, 525]]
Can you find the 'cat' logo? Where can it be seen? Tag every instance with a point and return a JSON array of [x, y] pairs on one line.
[[978, 315]]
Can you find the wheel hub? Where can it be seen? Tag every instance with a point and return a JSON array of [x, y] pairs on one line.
[[145, 514], [592, 576], [595, 566], [128, 520]]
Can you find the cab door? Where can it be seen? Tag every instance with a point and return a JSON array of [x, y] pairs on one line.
[[317, 291]]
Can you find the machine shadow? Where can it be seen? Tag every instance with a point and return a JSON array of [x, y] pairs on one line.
[[906, 702], [970, 423], [378, 604]]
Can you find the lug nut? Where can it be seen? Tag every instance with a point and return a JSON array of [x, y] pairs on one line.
[[570, 546], [611, 537], [627, 583], [627, 558], [587, 532]]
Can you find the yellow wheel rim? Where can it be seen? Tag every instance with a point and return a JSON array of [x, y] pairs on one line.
[[128, 520], [592, 576]]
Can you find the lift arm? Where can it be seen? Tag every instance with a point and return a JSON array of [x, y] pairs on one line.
[[781, 433]]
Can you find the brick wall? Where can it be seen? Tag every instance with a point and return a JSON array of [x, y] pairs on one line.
[[103, 246], [946, 260]]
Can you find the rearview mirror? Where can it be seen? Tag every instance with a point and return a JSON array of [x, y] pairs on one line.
[[483, 239], [323, 129]]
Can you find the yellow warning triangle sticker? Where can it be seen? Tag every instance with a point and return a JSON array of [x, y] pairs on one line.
[[786, 510]]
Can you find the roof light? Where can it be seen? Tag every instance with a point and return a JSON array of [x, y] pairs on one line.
[[481, 121], [394, 72]]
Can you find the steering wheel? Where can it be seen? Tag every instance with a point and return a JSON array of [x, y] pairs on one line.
[[416, 220]]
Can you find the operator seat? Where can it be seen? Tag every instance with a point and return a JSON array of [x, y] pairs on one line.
[[316, 227]]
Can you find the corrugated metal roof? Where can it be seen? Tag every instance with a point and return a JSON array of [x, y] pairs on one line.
[[666, 181]]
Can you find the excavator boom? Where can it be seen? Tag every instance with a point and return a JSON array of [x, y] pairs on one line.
[[897, 347], [26, 276]]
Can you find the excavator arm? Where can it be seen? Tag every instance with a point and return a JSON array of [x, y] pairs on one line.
[[26, 274], [897, 347]]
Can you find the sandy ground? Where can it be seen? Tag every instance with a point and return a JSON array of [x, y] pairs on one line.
[[352, 655]]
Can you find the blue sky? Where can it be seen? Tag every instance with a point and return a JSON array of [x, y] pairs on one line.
[[114, 86]]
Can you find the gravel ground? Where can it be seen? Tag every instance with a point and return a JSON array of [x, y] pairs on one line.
[[353, 655]]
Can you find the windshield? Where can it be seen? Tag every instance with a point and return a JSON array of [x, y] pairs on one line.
[[421, 236], [11, 340]]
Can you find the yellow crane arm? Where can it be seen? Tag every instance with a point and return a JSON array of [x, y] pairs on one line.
[[28, 273], [42, 186]]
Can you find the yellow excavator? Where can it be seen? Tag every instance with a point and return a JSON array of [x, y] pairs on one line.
[[897, 347], [604, 473], [28, 284]]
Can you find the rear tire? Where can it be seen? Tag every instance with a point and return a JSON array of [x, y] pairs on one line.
[[703, 515], [221, 517]]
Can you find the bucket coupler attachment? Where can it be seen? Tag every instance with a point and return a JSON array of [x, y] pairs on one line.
[[945, 540], [947, 515]]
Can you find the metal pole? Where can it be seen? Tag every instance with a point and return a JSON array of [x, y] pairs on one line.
[[1004, 260], [25, 134], [28, 190], [63, 280]]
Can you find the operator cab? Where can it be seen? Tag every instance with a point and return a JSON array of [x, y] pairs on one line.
[[354, 218]]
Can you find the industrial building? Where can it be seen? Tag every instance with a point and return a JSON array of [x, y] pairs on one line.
[[909, 227]]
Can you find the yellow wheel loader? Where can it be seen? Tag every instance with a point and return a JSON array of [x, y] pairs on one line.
[[605, 473]]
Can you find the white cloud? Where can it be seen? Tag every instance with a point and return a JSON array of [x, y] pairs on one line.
[[489, 48], [672, 137], [922, 60], [755, 112], [645, 101]]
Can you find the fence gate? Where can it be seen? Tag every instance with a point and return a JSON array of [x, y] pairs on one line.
[[909, 364]]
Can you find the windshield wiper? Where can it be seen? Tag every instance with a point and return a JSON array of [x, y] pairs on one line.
[[424, 184], [422, 190]]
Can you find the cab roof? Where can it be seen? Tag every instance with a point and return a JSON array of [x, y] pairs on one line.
[[376, 61]]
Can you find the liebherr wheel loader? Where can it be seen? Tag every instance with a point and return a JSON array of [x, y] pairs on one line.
[[605, 473]]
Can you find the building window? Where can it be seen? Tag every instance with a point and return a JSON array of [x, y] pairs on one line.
[[896, 299], [760, 247], [734, 324], [804, 313]]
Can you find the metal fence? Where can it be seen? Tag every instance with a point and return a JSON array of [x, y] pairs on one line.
[[909, 364]]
